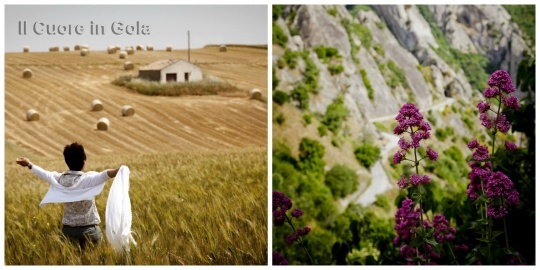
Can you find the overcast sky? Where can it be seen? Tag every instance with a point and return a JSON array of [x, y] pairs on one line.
[[166, 24]]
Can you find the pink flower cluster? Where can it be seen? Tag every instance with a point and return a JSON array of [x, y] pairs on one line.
[[291, 238], [414, 180], [443, 231], [500, 88], [497, 186], [280, 205], [407, 218], [411, 121]]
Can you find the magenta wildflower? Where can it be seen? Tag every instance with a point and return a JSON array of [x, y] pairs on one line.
[[472, 144], [402, 182], [516, 261], [491, 92], [483, 106], [432, 155], [416, 179], [398, 157], [486, 120], [304, 231], [279, 217], [502, 80], [477, 176], [278, 259], [500, 186], [481, 153], [405, 219], [511, 102], [291, 238], [280, 205], [496, 212], [443, 232], [410, 120], [461, 247], [297, 213], [500, 88], [404, 144], [510, 146], [512, 199], [416, 138], [502, 124]]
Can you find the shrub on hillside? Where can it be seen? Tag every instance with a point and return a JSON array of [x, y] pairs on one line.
[[280, 97], [341, 180], [367, 154]]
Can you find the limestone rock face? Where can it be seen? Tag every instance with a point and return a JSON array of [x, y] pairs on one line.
[[398, 34], [486, 29]]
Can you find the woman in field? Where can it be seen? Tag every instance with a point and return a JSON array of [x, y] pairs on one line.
[[77, 190]]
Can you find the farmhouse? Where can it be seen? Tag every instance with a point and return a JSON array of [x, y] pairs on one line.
[[167, 70]]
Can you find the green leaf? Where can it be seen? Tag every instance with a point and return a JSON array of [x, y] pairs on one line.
[[483, 240], [419, 231], [495, 234], [422, 190], [509, 251], [434, 244], [416, 242], [473, 260]]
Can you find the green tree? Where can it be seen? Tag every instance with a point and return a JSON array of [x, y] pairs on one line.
[[341, 180]]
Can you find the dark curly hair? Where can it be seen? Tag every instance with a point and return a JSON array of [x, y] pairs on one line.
[[74, 156]]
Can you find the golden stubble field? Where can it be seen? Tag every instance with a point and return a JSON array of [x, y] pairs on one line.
[[198, 163], [64, 84]]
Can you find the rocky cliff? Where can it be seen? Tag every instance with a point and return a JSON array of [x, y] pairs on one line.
[[391, 41]]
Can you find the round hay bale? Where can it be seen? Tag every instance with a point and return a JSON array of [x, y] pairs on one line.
[[66, 48], [128, 65], [255, 94], [130, 51], [96, 105], [223, 48], [111, 49], [77, 48], [27, 73], [26, 49], [85, 47], [169, 48], [127, 110], [103, 123], [54, 49], [140, 47], [149, 47], [118, 47], [32, 115], [84, 52], [123, 55]]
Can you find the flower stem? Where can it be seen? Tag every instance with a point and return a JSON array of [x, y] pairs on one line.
[[505, 234], [420, 204], [452, 252], [302, 243]]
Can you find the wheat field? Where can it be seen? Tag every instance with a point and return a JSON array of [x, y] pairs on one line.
[[189, 208], [198, 163]]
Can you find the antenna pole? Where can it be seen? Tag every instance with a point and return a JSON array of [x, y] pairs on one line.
[[188, 49]]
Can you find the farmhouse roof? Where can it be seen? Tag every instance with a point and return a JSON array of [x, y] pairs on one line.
[[159, 65]]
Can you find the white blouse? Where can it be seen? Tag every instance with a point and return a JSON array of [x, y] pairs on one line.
[[77, 190]]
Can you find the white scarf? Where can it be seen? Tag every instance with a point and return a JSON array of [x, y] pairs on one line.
[[118, 212], [60, 194]]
